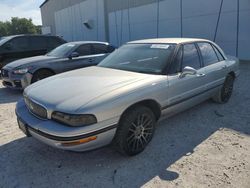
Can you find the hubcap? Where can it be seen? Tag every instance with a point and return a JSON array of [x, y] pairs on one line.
[[140, 132]]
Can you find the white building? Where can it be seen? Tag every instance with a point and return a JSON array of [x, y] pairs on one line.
[[227, 22]]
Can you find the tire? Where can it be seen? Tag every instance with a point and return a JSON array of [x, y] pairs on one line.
[[226, 91], [135, 130], [41, 74]]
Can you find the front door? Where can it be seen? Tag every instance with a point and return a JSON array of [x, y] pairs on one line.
[[183, 91]]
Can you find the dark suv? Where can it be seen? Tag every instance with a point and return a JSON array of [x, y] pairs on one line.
[[22, 46]]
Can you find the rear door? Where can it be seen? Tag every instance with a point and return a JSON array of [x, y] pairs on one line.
[[214, 63], [182, 89]]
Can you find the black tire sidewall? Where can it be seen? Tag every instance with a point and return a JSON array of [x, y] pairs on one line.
[[124, 126], [41, 73], [229, 80]]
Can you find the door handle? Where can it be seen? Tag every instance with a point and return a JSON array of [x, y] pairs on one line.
[[201, 75], [90, 60]]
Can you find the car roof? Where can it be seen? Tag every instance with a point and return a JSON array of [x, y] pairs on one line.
[[168, 40], [88, 42]]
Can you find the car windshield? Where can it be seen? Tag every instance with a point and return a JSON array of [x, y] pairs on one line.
[[142, 58], [4, 39], [62, 50]]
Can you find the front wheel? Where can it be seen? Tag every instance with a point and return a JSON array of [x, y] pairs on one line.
[[135, 130], [226, 91]]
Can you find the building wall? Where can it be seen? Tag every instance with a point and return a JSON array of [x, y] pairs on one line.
[[48, 11], [224, 21], [69, 21]]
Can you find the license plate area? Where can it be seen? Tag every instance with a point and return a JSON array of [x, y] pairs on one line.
[[23, 127]]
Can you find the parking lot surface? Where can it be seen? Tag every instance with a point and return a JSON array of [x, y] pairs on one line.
[[206, 146]]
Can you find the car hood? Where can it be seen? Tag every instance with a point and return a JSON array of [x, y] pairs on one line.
[[29, 61], [72, 90]]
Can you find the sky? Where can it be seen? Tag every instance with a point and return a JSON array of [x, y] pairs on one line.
[[21, 9]]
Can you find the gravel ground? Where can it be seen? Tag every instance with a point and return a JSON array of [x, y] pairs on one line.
[[206, 146]]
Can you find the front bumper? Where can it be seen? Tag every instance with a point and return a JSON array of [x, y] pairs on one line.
[[17, 81], [61, 136]]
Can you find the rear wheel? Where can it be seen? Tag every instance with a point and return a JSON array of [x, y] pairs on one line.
[[226, 91], [41, 74], [135, 131]]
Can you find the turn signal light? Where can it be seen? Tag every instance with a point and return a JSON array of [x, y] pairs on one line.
[[78, 142]]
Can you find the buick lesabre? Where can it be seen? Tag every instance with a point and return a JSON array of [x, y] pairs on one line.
[[120, 100]]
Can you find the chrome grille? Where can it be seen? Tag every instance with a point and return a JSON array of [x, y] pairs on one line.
[[5, 73], [36, 109]]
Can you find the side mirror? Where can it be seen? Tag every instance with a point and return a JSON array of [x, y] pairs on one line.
[[74, 55], [188, 71]]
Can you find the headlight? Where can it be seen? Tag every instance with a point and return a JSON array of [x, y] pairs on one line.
[[74, 120], [21, 71]]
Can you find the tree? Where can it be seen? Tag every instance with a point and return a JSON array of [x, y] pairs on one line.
[[18, 26]]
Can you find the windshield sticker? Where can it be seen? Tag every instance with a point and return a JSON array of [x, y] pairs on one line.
[[160, 46]]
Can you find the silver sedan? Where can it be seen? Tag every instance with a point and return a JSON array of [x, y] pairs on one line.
[[120, 100]]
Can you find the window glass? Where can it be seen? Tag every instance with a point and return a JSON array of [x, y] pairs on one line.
[[20, 43], [62, 51], [100, 48], [111, 49], [208, 54], [38, 43], [142, 58], [53, 42], [4, 40], [190, 57], [176, 64], [221, 58], [84, 50]]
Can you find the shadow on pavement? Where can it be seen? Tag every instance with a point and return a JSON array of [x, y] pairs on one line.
[[9, 96]]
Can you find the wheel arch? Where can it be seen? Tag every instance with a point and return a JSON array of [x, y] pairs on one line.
[[45, 68], [150, 103], [232, 73], [40, 69]]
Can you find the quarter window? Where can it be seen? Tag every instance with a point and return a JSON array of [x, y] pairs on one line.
[[208, 54], [221, 58], [190, 57]]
